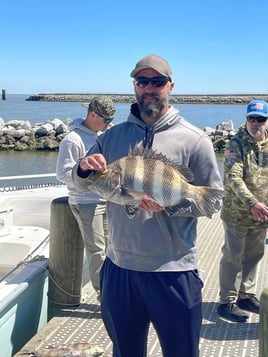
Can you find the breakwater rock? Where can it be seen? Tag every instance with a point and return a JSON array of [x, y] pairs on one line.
[[174, 99], [20, 135]]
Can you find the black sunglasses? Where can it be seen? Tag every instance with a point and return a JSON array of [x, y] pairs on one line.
[[106, 121], [156, 82], [257, 119]]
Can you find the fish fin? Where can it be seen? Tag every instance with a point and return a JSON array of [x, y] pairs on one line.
[[209, 204], [178, 210], [149, 153], [211, 201], [186, 172], [131, 211], [190, 210], [132, 195]]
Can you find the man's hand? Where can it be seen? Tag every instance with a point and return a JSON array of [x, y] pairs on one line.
[[147, 203], [93, 162], [260, 212]]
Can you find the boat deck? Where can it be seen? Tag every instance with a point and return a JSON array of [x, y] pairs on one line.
[[219, 337]]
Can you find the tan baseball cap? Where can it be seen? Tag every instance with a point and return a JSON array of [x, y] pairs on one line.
[[155, 62]]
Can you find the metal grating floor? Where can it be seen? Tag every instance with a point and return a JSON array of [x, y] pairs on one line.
[[219, 338]]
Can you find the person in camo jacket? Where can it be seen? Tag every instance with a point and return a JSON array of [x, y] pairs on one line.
[[244, 214]]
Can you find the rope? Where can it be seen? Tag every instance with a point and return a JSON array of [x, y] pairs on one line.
[[30, 260]]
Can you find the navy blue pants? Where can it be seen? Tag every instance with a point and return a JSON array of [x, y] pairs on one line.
[[171, 301]]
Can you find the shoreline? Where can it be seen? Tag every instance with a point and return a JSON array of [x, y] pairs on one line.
[[174, 99]]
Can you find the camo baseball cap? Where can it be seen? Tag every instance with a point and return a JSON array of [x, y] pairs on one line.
[[102, 105], [155, 62]]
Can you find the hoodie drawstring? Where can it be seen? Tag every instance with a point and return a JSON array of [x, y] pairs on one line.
[[148, 138]]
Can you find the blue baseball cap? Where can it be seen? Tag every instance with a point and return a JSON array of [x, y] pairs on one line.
[[257, 107]]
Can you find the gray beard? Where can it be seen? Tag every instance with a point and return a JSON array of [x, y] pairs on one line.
[[258, 133], [152, 110]]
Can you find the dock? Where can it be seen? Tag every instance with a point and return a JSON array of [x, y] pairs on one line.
[[219, 337]]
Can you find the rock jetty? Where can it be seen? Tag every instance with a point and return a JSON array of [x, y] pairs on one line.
[[174, 99], [20, 135]]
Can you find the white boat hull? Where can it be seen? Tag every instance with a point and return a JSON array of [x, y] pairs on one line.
[[24, 252], [24, 309]]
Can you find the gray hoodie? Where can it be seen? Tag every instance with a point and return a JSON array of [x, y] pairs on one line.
[[153, 241], [73, 147]]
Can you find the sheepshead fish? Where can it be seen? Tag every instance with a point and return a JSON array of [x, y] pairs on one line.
[[75, 349], [126, 180]]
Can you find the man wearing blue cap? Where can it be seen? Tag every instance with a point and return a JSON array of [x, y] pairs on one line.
[[244, 214]]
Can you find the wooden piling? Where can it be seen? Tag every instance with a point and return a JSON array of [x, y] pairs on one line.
[[65, 257], [263, 325]]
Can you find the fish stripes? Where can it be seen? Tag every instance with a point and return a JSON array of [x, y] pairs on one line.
[[127, 171], [149, 178], [129, 178], [168, 190], [152, 177]]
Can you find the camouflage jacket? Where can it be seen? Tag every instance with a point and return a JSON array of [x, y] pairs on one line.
[[245, 178]]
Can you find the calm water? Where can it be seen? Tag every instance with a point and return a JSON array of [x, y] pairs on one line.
[[16, 107]]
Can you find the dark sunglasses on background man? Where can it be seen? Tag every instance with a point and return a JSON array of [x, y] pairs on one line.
[[156, 82], [259, 119], [106, 121]]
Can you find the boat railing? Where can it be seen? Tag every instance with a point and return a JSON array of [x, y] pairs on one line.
[[25, 182]]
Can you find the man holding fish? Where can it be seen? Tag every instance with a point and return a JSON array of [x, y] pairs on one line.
[[158, 173]]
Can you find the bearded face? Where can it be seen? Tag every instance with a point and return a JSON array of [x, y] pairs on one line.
[[151, 104], [256, 130]]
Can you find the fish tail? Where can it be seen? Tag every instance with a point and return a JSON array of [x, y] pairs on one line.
[[207, 200]]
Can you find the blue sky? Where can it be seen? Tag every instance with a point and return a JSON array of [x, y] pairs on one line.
[[87, 46]]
